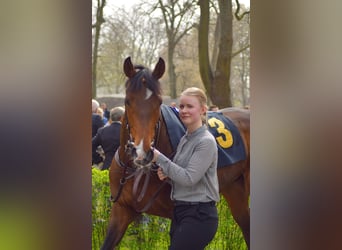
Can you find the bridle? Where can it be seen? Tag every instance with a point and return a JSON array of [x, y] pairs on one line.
[[132, 170], [130, 149]]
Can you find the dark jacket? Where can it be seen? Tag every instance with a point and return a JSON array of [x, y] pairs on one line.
[[106, 113], [96, 123], [109, 139]]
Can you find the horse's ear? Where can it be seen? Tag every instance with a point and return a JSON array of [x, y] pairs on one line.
[[159, 69], [128, 67]]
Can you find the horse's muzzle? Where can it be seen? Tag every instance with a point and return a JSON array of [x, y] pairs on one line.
[[144, 162]]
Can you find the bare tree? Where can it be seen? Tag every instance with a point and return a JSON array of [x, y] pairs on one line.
[[237, 11], [216, 81], [127, 33], [240, 59], [216, 74], [186, 59], [139, 32], [178, 18], [97, 26]]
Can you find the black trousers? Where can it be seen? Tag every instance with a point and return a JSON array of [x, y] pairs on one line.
[[193, 226]]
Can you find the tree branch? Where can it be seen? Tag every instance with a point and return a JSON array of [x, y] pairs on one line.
[[239, 17], [240, 50]]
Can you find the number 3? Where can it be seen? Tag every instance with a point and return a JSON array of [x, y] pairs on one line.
[[225, 140]]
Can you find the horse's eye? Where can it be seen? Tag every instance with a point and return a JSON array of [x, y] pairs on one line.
[[126, 102]]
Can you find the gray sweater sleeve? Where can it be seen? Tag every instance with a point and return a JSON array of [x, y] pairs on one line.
[[201, 158]]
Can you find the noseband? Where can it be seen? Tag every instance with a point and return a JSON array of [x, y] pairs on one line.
[[137, 171], [130, 150]]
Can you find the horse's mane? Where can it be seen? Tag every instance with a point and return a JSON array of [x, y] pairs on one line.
[[135, 83]]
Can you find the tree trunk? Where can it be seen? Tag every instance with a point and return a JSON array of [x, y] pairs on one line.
[[99, 21], [178, 19], [220, 92], [95, 51], [171, 71], [217, 85], [203, 50]]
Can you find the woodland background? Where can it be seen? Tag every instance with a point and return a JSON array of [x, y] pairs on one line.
[[204, 44]]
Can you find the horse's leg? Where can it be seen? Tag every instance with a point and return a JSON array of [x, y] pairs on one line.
[[120, 218], [237, 196]]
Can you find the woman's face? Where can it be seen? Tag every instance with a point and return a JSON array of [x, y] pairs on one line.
[[190, 111]]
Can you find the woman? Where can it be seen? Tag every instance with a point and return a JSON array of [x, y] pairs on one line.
[[193, 175]]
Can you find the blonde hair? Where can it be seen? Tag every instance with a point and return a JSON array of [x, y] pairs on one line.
[[201, 96], [99, 111], [197, 92]]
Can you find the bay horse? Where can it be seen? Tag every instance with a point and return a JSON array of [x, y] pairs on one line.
[[134, 184]]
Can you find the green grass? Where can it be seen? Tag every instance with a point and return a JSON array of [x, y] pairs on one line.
[[152, 232]]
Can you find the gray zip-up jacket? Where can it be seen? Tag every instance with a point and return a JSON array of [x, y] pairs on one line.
[[193, 170]]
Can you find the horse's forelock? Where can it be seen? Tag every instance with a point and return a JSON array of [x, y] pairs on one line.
[[135, 83]]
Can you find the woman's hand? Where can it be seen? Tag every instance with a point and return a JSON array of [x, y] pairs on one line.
[[161, 174], [155, 155]]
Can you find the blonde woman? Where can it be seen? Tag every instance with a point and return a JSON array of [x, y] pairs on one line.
[[193, 176]]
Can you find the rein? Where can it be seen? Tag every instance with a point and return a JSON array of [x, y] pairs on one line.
[[124, 178], [130, 172]]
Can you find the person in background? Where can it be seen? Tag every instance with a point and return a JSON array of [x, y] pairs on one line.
[[100, 112], [96, 123], [106, 112], [108, 137], [96, 120], [173, 105], [213, 108], [193, 176]]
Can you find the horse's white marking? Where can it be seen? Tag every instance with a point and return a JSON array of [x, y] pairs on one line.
[[140, 150], [148, 93]]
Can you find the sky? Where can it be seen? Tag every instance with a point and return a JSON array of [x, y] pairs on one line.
[[120, 3]]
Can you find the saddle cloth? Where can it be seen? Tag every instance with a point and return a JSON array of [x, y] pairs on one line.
[[229, 142]]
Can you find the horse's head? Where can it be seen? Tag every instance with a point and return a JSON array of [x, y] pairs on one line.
[[142, 107]]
